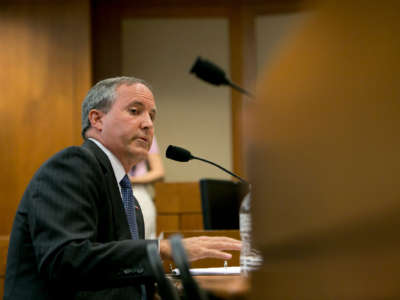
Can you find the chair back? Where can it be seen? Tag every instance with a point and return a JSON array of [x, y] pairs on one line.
[[220, 200]]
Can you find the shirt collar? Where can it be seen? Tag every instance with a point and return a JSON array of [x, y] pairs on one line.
[[118, 169]]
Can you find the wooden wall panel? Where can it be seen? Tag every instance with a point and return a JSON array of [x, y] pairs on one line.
[[106, 37], [167, 222], [45, 74], [178, 206], [243, 72], [192, 221], [3, 260], [178, 197]]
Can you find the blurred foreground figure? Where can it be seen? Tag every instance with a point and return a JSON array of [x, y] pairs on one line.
[[325, 158]]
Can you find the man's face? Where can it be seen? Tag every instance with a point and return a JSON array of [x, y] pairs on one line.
[[127, 128]]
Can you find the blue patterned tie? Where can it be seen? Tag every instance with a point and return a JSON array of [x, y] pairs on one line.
[[128, 200]]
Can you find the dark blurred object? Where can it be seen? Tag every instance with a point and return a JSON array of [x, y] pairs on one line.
[[211, 73], [178, 154], [220, 200], [166, 289], [191, 289]]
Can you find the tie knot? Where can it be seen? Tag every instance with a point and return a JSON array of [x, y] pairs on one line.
[[125, 182]]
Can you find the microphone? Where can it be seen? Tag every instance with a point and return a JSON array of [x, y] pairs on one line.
[[211, 73], [183, 155], [178, 154]]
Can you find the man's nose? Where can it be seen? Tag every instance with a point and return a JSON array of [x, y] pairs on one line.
[[147, 121]]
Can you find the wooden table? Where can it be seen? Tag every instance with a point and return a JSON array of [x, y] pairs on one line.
[[225, 286], [230, 287]]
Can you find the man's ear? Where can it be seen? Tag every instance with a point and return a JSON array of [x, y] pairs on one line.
[[96, 119]]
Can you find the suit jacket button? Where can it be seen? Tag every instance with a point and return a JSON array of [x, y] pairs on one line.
[[127, 271]]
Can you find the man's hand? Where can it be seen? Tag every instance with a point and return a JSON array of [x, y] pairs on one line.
[[203, 247]]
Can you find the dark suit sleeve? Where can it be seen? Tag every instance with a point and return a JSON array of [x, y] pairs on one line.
[[67, 195]]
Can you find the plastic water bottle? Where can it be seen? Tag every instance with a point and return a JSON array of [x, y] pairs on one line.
[[250, 259]]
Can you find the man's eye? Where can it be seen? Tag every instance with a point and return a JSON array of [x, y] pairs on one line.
[[133, 111]]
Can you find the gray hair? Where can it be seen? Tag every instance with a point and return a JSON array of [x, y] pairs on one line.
[[102, 95]]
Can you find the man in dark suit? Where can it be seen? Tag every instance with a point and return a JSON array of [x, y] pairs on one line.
[[78, 231]]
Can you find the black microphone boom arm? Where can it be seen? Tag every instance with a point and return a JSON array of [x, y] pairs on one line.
[[222, 168], [183, 155]]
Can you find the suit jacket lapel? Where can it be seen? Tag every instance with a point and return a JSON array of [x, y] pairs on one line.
[[113, 194]]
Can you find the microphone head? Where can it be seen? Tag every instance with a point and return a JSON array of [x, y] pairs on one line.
[[178, 153], [209, 72]]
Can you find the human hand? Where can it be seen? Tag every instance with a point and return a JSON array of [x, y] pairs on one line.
[[204, 247]]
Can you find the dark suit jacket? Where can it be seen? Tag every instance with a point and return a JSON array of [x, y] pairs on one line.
[[70, 237]]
